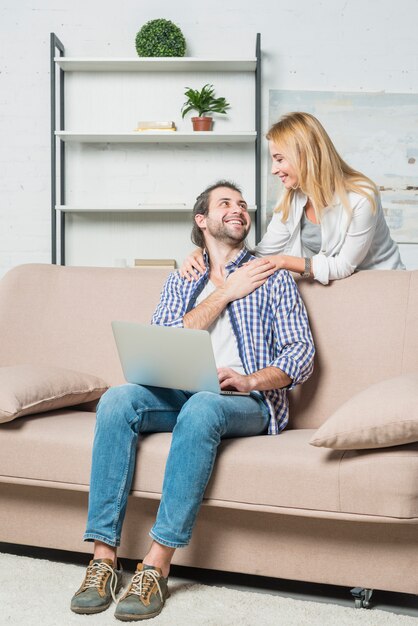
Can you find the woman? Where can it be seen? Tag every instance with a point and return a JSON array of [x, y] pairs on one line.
[[329, 222]]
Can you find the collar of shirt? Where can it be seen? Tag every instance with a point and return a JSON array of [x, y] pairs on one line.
[[197, 287], [241, 257], [300, 199]]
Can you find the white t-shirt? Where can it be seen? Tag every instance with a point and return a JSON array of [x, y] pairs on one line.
[[223, 338]]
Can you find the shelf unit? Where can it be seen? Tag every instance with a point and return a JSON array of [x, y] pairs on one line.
[[60, 136]]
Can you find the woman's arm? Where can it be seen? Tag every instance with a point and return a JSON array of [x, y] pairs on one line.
[[193, 265], [275, 239], [357, 242], [356, 245], [291, 263], [274, 243], [271, 246]]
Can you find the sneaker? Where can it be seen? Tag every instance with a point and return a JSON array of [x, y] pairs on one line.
[[100, 585], [146, 595]]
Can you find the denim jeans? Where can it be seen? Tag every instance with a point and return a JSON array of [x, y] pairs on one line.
[[198, 422]]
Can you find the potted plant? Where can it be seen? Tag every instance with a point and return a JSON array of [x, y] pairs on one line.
[[160, 38], [203, 102]]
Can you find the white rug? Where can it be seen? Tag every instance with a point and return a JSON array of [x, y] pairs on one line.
[[35, 592]]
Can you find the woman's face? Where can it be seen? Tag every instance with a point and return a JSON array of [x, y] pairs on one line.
[[281, 167]]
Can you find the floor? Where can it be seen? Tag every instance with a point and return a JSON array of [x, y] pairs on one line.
[[399, 603]]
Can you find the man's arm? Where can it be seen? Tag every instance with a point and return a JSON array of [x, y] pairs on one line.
[[293, 347], [237, 285], [293, 340], [171, 309], [173, 302], [262, 380], [207, 312]]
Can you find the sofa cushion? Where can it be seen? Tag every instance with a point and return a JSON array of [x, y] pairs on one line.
[[282, 473], [28, 389], [385, 414]]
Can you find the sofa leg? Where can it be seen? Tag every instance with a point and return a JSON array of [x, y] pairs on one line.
[[361, 597]]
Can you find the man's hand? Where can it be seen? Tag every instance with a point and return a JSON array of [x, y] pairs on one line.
[[262, 380], [247, 279], [230, 380]]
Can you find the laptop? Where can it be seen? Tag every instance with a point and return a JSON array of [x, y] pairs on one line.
[[161, 356]]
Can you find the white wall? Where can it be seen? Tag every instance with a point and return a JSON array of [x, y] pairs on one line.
[[327, 45]]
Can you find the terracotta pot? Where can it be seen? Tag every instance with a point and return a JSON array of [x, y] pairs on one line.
[[202, 123]]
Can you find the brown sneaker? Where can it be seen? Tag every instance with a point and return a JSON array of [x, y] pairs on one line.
[[100, 585], [146, 595]]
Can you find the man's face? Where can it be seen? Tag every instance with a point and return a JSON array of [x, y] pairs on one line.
[[228, 218]]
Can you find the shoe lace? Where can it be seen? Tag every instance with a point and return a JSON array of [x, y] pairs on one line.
[[95, 577], [142, 583]]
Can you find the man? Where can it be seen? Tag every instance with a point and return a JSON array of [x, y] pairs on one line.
[[263, 346]]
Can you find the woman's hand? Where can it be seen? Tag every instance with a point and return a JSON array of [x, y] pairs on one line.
[[247, 278], [291, 263], [193, 266], [278, 260]]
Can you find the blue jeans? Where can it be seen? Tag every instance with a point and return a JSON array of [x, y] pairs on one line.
[[198, 421]]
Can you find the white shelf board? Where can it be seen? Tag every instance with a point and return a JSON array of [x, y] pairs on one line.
[[158, 137], [141, 208], [155, 64]]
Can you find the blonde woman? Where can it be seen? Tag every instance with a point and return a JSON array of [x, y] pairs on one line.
[[329, 222]]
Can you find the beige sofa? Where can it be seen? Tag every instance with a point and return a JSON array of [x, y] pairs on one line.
[[275, 506]]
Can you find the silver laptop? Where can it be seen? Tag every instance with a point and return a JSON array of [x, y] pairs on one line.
[[160, 356]]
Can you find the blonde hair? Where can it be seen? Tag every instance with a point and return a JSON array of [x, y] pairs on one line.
[[322, 174]]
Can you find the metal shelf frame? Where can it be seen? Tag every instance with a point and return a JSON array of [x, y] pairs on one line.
[[57, 189], [59, 136]]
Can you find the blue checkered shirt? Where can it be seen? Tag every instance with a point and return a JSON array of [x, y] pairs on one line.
[[270, 325]]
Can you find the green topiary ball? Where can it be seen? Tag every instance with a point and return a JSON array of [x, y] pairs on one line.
[[160, 38]]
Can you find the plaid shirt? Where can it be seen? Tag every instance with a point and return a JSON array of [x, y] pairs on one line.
[[270, 325]]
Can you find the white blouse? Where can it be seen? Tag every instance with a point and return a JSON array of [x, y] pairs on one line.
[[350, 242]]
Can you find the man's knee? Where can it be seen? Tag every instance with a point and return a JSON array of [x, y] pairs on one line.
[[204, 411], [113, 397], [116, 404]]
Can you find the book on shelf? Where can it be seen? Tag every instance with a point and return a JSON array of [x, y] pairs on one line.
[[155, 263], [155, 125]]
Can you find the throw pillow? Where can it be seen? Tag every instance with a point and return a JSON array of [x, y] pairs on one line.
[[385, 414], [27, 389]]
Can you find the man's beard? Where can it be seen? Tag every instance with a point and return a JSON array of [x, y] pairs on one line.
[[220, 232]]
